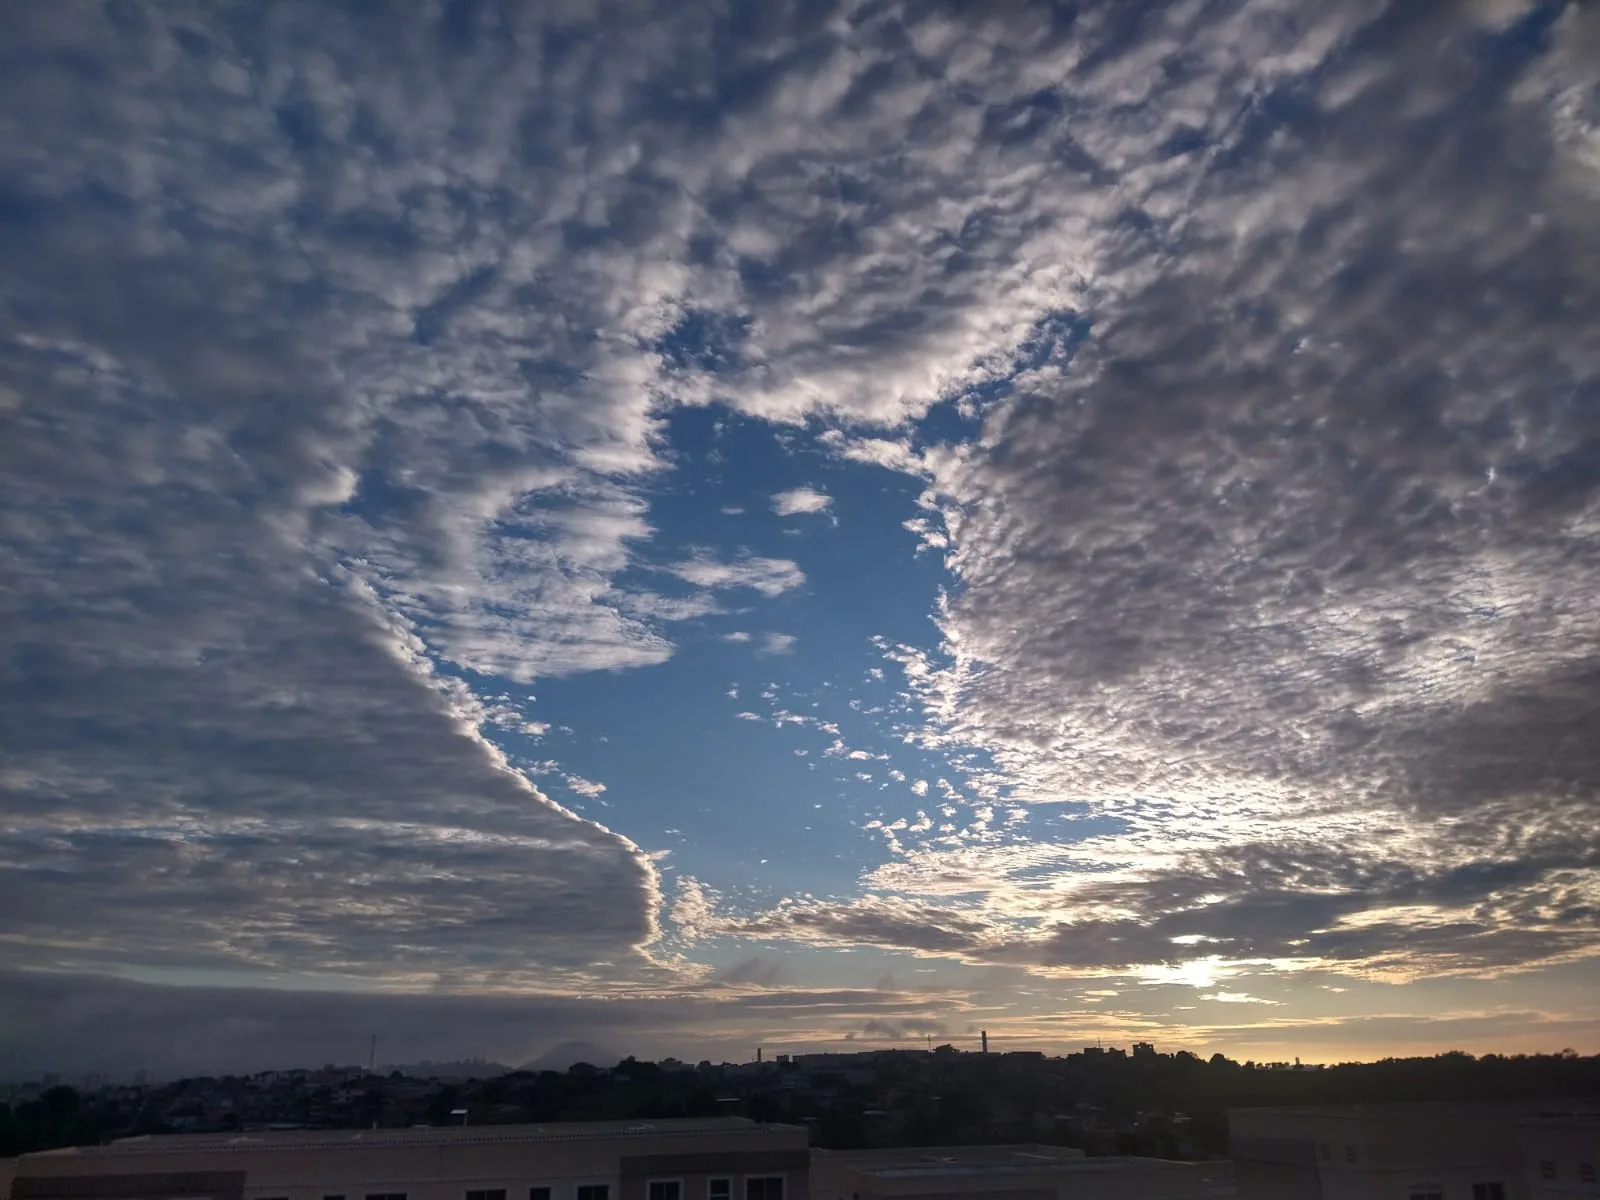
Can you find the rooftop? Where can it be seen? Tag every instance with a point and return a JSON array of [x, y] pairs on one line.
[[453, 1135], [1518, 1109], [949, 1161], [1579, 1113], [1025, 1152]]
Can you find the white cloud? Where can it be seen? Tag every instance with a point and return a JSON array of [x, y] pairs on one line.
[[769, 576], [800, 500], [737, 635], [778, 643]]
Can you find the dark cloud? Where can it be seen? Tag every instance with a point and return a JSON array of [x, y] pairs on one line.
[[55, 1022], [899, 1031]]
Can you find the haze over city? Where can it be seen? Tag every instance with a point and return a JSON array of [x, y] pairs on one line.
[[822, 525]]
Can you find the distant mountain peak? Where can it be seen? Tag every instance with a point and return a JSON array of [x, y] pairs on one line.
[[564, 1054]]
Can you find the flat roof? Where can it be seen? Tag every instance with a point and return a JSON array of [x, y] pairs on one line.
[[445, 1135], [1516, 1109], [911, 1167], [1575, 1114], [1004, 1152]]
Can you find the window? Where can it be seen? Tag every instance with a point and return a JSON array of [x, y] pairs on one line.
[[1586, 1173], [1489, 1191], [1426, 1196], [538, 1193], [1349, 1154], [1324, 1151], [1547, 1169], [763, 1187], [665, 1189], [487, 1194], [719, 1189], [602, 1191]]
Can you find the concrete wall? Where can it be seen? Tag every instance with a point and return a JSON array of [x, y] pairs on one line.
[[1157, 1181], [1565, 1145], [1257, 1180], [436, 1171], [1375, 1154], [694, 1172]]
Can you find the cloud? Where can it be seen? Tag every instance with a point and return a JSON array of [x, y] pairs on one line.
[[769, 576], [73, 1023], [694, 908], [778, 643], [894, 454], [899, 1031], [872, 920], [800, 500], [1269, 561], [336, 364], [737, 635]]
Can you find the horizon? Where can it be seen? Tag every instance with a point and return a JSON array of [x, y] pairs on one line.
[[574, 1054], [102, 1052], [800, 523]]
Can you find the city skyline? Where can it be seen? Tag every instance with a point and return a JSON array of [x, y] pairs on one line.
[[799, 524]]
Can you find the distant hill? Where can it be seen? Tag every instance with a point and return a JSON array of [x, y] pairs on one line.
[[470, 1068], [559, 1058]]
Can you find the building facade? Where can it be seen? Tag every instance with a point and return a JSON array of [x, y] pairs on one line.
[[715, 1159], [1006, 1172], [1561, 1152], [1408, 1152]]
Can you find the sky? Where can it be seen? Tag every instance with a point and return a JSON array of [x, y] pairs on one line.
[[815, 524]]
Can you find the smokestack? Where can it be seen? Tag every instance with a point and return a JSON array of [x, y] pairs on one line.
[[984, 1034], [758, 1054]]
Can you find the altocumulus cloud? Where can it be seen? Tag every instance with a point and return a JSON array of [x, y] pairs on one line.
[[336, 349], [1290, 571]]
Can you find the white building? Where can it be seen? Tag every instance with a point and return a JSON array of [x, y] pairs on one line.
[[1410, 1152], [713, 1159], [1561, 1152], [1010, 1172]]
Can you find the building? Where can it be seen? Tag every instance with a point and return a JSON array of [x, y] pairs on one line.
[[1409, 1152], [1561, 1152], [711, 1159], [1007, 1172]]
